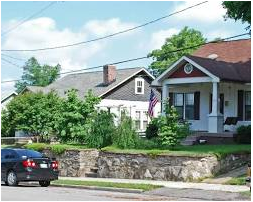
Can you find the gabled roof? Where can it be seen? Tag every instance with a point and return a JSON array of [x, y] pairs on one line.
[[7, 96], [231, 61], [90, 80]]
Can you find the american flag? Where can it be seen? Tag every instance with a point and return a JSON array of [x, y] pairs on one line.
[[152, 102]]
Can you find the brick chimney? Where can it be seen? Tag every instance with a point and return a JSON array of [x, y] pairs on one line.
[[109, 72]]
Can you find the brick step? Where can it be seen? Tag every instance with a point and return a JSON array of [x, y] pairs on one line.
[[95, 175]]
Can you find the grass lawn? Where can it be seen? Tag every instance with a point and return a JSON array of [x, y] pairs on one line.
[[144, 187], [246, 193], [237, 180], [194, 150]]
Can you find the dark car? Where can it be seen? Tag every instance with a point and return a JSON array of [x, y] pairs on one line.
[[27, 165]]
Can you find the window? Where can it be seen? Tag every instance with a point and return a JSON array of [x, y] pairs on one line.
[[139, 86], [247, 106], [179, 104], [138, 120], [145, 120], [184, 103], [189, 106]]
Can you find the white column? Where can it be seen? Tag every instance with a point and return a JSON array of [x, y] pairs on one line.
[[165, 94], [215, 119]]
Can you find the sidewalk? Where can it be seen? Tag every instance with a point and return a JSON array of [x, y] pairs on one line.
[[169, 184]]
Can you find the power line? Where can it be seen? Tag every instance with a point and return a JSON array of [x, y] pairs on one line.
[[28, 18], [15, 58], [110, 35], [14, 64], [144, 57]]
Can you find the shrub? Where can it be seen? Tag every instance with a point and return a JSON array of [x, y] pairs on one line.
[[170, 131], [100, 130], [36, 146], [125, 136], [58, 149], [243, 135], [152, 129]]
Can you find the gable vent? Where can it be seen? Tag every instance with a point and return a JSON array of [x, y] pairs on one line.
[[213, 56]]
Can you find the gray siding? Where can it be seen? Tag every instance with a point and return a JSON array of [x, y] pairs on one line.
[[126, 91]]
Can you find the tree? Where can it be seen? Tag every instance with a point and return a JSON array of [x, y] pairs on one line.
[[238, 10], [32, 113], [186, 38], [37, 75]]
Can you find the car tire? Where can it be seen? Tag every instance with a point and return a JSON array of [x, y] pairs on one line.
[[44, 183], [12, 178]]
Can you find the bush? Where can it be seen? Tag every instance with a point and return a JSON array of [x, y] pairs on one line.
[[125, 136], [36, 146], [152, 129], [243, 135], [100, 130]]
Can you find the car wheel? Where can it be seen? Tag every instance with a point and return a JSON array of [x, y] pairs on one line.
[[12, 179], [44, 183]]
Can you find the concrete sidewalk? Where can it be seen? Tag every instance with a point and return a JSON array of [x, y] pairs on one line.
[[169, 184]]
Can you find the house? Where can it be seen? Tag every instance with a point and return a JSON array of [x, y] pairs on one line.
[[6, 99], [210, 85], [121, 90]]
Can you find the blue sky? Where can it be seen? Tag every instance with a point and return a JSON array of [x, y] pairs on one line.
[[69, 22]]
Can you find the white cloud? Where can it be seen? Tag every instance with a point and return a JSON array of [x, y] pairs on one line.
[[219, 33], [212, 11], [43, 32], [158, 38]]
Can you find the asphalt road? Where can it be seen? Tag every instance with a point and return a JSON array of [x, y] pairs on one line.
[[26, 192]]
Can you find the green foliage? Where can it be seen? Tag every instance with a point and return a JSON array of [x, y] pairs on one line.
[[170, 130], [36, 75], [243, 135], [58, 149], [101, 130], [36, 146], [32, 113], [74, 121], [238, 10], [125, 136], [185, 38], [152, 129]]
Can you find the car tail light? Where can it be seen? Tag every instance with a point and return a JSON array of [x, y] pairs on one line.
[[54, 164], [29, 163]]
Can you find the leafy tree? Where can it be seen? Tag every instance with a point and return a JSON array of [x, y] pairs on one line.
[[186, 38], [170, 131], [101, 130], [37, 75], [125, 136], [74, 121], [32, 113], [238, 10]]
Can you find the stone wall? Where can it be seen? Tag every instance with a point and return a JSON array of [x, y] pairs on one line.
[[75, 163], [165, 167]]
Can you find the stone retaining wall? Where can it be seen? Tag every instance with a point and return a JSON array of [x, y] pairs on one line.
[[75, 163], [79, 163], [165, 167]]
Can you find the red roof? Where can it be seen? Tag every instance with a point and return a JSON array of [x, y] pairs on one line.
[[232, 59]]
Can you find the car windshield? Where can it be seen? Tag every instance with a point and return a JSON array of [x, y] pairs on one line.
[[29, 153]]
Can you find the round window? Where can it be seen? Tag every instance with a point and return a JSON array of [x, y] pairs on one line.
[[188, 68]]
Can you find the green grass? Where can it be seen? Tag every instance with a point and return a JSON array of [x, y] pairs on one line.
[[195, 150], [246, 193], [144, 187], [237, 180]]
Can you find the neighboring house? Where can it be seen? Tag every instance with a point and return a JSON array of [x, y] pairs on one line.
[[210, 85], [6, 99], [121, 90]]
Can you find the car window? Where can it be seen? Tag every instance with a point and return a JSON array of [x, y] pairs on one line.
[[3, 153], [29, 153], [8, 154]]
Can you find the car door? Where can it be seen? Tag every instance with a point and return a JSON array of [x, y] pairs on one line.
[[3, 164]]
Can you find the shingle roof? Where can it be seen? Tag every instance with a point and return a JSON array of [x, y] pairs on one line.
[[89, 80], [233, 60]]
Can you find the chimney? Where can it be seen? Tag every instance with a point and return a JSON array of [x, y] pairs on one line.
[[109, 73]]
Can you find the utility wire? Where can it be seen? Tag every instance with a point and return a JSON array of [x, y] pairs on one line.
[[28, 18], [144, 57], [15, 58], [11, 63], [110, 35]]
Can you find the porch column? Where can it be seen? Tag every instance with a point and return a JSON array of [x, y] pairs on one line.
[[165, 94], [215, 119]]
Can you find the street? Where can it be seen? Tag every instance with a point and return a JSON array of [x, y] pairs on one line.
[[28, 192]]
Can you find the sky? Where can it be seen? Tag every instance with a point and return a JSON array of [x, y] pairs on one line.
[[67, 22]]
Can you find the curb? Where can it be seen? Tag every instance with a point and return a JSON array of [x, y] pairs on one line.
[[100, 188]]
